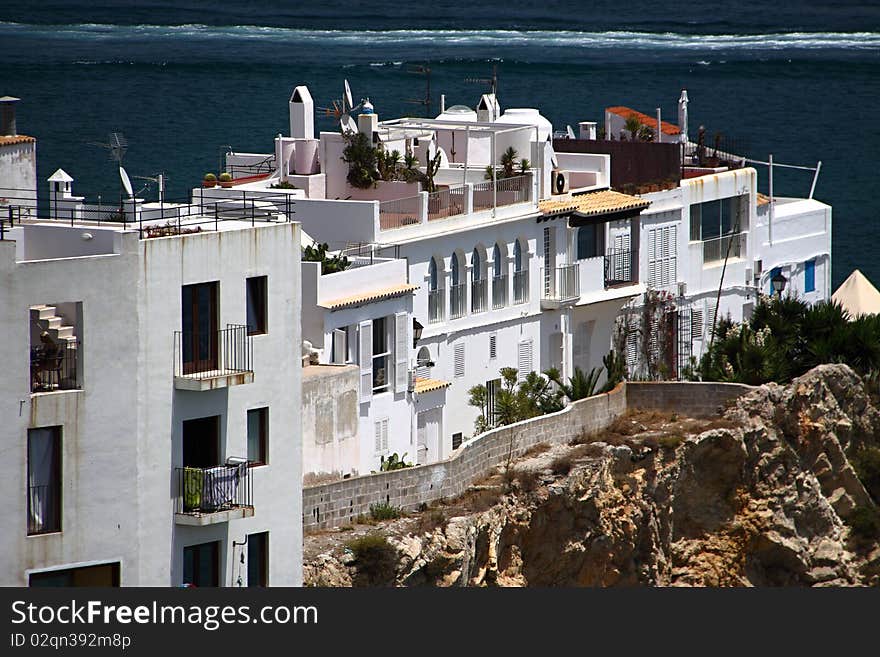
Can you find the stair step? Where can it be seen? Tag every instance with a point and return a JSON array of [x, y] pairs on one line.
[[62, 332], [43, 311]]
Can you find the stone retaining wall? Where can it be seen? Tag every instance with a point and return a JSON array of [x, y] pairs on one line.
[[340, 502]]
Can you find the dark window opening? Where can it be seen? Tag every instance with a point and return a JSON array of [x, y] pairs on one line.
[[199, 325], [257, 436], [44, 480], [256, 305], [201, 564], [258, 559], [102, 575], [456, 440], [201, 442]]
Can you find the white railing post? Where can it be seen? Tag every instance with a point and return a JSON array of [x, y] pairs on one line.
[[468, 198], [423, 207]]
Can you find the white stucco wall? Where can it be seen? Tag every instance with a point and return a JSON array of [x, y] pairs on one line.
[[18, 175]]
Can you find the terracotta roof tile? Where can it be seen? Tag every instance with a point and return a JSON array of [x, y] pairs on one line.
[[17, 139], [605, 201], [651, 122], [427, 385], [369, 297]]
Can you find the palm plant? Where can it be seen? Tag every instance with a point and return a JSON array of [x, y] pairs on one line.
[[579, 386], [632, 125], [508, 162]]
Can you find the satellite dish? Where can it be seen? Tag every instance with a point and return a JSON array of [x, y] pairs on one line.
[[347, 124], [553, 161], [349, 103], [126, 183], [569, 132]]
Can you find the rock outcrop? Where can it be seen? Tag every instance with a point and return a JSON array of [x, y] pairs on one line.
[[764, 499]]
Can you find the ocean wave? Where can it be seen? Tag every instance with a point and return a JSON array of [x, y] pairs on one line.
[[543, 38]]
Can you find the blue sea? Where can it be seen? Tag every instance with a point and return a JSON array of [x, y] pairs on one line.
[[184, 81]]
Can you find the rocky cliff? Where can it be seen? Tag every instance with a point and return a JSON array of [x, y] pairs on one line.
[[765, 495]]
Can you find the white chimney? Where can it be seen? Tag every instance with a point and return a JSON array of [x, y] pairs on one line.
[[488, 109], [368, 120], [683, 115], [659, 134], [302, 114], [7, 116], [587, 130]]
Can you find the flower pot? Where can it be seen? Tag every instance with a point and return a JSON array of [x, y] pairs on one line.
[[225, 183], [209, 183]]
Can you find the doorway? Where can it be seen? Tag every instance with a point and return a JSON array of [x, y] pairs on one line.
[[429, 432], [199, 324]]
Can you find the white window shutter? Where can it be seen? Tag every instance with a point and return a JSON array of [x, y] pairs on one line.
[[673, 254], [381, 431], [401, 353], [493, 346], [523, 359], [697, 324], [632, 348], [340, 348], [458, 359], [365, 335]]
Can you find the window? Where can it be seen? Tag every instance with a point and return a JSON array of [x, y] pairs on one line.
[[256, 305], [456, 273], [201, 564], [662, 269], [773, 274], [492, 389], [456, 440], [476, 266], [381, 355], [423, 363], [257, 436], [201, 442], [810, 276], [432, 275], [339, 347], [381, 432], [458, 359], [258, 559], [697, 324], [517, 256], [587, 242], [199, 325], [493, 346], [44, 480], [523, 359], [101, 575], [497, 264]]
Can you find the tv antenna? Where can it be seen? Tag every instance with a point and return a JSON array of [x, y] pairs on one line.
[[117, 147], [492, 82], [342, 109], [422, 69], [160, 179]]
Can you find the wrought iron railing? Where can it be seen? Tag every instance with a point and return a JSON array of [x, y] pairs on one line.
[[54, 367], [435, 306], [508, 191], [202, 355], [478, 295], [521, 286], [446, 202], [564, 284], [209, 490], [457, 297], [400, 212], [499, 291], [618, 267]]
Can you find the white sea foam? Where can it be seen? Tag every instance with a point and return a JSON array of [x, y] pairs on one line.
[[452, 38]]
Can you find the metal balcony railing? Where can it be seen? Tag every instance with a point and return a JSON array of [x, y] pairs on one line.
[[478, 295], [507, 192], [499, 291], [54, 367], [457, 297], [214, 489], [521, 286], [446, 202], [202, 355], [618, 267], [435, 305], [400, 212], [563, 284]]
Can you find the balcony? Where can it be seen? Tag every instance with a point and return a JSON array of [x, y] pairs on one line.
[[504, 191], [618, 268], [54, 367], [457, 298], [207, 496], [478, 296], [435, 306], [214, 359], [717, 249], [521, 286], [561, 286], [499, 292]]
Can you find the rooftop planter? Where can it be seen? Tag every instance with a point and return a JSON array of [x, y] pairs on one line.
[[225, 180], [210, 180]]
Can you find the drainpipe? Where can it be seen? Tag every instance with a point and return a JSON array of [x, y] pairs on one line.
[[770, 215]]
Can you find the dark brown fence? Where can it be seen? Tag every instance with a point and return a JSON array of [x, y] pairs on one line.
[[632, 162]]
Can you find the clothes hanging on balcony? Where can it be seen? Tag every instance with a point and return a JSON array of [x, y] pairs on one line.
[[221, 486]]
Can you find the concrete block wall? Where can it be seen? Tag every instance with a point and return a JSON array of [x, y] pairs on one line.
[[691, 398], [340, 502]]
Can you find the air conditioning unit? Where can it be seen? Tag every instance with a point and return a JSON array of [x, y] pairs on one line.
[[682, 288], [559, 182], [759, 266]]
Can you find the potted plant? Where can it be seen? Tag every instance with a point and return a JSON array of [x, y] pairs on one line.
[[210, 180], [225, 179]]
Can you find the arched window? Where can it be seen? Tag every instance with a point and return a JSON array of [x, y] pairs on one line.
[[476, 266], [496, 261], [455, 270], [432, 275], [517, 256]]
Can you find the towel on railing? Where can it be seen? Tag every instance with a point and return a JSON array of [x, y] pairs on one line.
[[220, 486], [193, 481]]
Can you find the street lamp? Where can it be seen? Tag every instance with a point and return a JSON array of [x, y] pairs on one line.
[[417, 332], [778, 282]]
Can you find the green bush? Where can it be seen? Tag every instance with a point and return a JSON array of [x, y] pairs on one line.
[[865, 522], [225, 177], [375, 560], [867, 466], [384, 511]]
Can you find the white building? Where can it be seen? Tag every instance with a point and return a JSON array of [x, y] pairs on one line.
[[151, 399], [18, 165]]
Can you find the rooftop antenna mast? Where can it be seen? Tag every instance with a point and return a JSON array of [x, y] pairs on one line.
[[342, 109], [423, 69], [117, 147], [493, 81]]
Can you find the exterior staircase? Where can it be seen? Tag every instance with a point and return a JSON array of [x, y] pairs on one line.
[[47, 318]]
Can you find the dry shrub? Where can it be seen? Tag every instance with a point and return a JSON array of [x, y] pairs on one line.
[[540, 448], [375, 560], [431, 520], [561, 465], [527, 480]]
